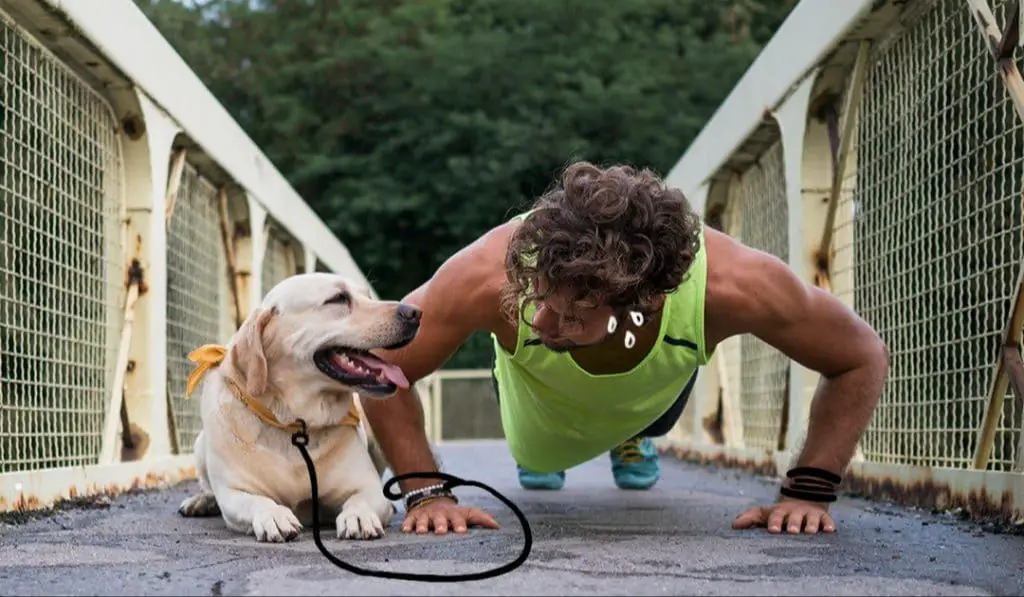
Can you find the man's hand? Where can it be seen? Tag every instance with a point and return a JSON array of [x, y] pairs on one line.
[[442, 514], [796, 515]]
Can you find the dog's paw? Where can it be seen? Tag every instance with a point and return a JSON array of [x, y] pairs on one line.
[[276, 525], [202, 504], [358, 521]]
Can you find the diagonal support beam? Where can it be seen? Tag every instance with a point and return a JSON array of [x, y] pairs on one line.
[[853, 100], [135, 284], [1011, 34], [173, 184], [228, 240], [1008, 369], [1001, 46]]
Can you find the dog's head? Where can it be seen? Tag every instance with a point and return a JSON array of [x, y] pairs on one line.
[[314, 332]]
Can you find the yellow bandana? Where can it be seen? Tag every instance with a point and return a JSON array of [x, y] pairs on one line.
[[211, 355]]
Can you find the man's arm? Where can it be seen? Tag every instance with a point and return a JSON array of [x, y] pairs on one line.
[[756, 293], [460, 299]]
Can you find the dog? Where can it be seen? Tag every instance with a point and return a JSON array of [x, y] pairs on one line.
[[303, 353]]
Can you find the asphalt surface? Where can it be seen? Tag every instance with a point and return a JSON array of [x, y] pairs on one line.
[[589, 538]]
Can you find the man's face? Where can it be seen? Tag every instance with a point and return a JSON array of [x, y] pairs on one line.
[[562, 324]]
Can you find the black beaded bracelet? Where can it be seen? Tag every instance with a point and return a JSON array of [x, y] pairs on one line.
[[811, 484], [814, 472], [808, 496]]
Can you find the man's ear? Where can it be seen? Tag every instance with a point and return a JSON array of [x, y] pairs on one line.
[[248, 354]]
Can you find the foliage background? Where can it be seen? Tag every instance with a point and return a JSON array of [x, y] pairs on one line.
[[413, 126]]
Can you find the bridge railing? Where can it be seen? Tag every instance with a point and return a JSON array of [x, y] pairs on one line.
[[460, 404], [137, 221], [878, 148]]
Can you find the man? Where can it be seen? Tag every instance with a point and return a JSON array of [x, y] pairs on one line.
[[603, 301]]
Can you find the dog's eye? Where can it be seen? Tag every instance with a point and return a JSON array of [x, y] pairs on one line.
[[342, 298]]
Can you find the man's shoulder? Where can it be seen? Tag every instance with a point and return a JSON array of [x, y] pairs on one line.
[[734, 269], [483, 260], [743, 285]]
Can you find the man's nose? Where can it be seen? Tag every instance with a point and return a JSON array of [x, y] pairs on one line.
[[544, 322]]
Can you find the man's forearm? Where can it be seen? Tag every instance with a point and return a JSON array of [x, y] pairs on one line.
[[839, 414], [398, 426]]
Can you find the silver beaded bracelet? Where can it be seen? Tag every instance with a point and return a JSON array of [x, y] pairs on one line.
[[414, 497]]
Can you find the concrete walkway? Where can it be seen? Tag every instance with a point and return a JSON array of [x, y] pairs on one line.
[[590, 538]]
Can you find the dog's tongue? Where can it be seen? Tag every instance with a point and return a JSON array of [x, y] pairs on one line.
[[393, 373]]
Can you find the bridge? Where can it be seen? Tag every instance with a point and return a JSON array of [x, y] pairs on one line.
[[589, 538], [877, 146]]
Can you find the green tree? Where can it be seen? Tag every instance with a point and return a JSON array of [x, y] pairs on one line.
[[413, 127]]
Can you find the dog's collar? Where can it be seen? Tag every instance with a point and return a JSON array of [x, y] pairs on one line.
[[209, 356]]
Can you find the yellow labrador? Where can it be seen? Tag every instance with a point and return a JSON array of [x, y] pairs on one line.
[[302, 354]]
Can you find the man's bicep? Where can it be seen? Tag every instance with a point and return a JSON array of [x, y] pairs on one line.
[[809, 325], [451, 313], [461, 298]]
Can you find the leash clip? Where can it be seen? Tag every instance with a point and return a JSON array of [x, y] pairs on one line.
[[300, 437]]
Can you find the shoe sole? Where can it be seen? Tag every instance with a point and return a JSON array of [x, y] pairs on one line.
[[635, 487], [542, 485]]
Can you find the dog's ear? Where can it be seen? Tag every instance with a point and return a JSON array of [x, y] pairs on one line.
[[248, 353]]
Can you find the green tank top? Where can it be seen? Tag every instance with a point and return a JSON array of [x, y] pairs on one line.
[[556, 415]]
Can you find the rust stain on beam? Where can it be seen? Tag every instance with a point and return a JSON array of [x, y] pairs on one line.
[[766, 467], [926, 493], [30, 503]]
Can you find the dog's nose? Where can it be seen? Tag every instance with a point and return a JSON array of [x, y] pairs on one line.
[[409, 313]]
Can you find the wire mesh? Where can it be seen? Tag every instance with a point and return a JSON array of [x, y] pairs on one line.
[[279, 261], [929, 244], [62, 258], [763, 371], [196, 292]]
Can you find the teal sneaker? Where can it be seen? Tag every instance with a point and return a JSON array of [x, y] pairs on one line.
[[531, 480], [635, 464]]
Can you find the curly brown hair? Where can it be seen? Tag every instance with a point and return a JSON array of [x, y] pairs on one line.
[[616, 237]]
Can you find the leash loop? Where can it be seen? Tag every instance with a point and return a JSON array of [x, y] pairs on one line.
[[300, 439]]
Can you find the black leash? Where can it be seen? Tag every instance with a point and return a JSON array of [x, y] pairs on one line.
[[300, 439]]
